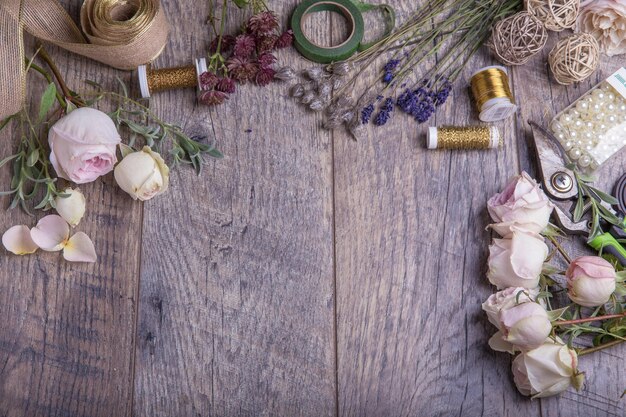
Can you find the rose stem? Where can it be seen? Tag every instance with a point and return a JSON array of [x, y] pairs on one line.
[[589, 319], [560, 249], [55, 71], [600, 347]]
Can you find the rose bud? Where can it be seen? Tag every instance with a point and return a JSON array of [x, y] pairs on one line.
[[522, 323], [83, 145], [71, 208], [590, 281], [522, 203], [547, 370], [516, 261], [142, 174]]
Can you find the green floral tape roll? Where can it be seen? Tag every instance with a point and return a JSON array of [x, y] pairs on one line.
[[327, 54]]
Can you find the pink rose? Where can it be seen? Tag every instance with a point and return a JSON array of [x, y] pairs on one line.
[[590, 281], [522, 323], [522, 203], [605, 20], [518, 260], [83, 145]]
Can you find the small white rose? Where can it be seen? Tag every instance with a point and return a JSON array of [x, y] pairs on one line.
[[523, 324], [517, 261], [142, 174], [547, 370], [590, 281], [71, 208]]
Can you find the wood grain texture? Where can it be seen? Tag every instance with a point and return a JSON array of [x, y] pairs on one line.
[[67, 330], [303, 275], [236, 307], [411, 262]]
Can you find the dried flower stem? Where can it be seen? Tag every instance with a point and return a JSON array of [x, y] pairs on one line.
[[600, 347], [589, 319], [562, 251], [55, 71]]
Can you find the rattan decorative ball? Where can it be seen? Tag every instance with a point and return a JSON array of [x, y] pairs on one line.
[[574, 58], [517, 38], [556, 15]]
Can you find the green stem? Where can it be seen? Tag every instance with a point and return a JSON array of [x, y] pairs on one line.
[[600, 347], [589, 319]]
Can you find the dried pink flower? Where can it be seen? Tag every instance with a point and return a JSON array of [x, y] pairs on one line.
[[227, 44], [241, 69], [265, 76], [265, 43], [212, 97], [208, 80], [263, 23], [244, 45], [227, 85], [284, 40], [266, 59]]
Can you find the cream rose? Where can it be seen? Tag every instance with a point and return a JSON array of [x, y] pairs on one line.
[[547, 370], [605, 20], [142, 174], [517, 260], [83, 145], [523, 204], [522, 323], [72, 206], [590, 281]]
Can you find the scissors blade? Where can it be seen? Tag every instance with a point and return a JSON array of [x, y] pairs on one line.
[[558, 181]]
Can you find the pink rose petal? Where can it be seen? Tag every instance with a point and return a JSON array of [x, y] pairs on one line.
[[18, 241], [51, 233], [80, 249]]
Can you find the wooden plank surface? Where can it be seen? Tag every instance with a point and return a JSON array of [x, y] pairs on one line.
[[67, 332], [303, 275], [237, 306]]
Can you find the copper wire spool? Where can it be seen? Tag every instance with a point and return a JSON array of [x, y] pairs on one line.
[[155, 80]]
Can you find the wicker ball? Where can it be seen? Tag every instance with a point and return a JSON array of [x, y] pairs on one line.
[[574, 58], [556, 15], [517, 38]]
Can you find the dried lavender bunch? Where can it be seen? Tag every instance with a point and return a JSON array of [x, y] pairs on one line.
[[451, 30]]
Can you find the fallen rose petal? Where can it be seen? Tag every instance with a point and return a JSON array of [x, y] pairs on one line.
[[17, 240], [80, 249], [51, 233]]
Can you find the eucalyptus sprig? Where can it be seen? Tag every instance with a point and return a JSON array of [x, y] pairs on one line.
[[156, 133], [597, 200]]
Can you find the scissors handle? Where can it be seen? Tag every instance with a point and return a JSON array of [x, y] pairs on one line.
[[607, 243]]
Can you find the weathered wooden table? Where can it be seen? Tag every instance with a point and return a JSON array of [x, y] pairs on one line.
[[303, 275]]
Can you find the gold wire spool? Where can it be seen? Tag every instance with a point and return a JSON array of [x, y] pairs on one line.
[[154, 80], [466, 137], [492, 94]]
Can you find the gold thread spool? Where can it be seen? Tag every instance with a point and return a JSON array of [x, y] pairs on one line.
[[465, 137], [154, 80], [492, 94]]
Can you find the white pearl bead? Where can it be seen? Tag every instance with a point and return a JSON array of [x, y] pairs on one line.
[[578, 124], [610, 108], [596, 107], [610, 97], [575, 153], [582, 106], [611, 119], [567, 145], [584, 161]]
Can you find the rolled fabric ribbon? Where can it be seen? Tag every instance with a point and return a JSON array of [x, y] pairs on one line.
[[120, 33]]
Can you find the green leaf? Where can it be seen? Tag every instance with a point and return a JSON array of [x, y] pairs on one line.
[[557, 314], [604, 196], [47, 100], [33, 158], [125, 149], [580, 208], [241, 3], [123, 85]]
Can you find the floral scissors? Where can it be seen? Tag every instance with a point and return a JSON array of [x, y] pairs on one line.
[[568, 189]]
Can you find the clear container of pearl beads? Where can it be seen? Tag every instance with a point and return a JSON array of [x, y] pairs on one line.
[[593, 128]]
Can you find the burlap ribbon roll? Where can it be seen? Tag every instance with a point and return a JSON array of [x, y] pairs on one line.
[[121, 33]]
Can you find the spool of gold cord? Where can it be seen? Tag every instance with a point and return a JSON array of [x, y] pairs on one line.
[[169, 78], [466, 137]]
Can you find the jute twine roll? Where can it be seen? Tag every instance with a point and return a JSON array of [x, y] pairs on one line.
[[121, 33], [556, 15], [517, 38], [574, 58]]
